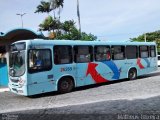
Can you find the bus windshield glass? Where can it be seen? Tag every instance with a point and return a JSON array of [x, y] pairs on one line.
[[18, 46], [17, 60]]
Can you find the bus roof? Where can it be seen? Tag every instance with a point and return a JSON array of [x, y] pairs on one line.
[[79, 42]]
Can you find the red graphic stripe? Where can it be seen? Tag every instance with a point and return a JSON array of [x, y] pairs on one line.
[[139, 63], [94, 74]]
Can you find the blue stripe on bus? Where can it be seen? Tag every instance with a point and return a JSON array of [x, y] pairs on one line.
[[114, 69]]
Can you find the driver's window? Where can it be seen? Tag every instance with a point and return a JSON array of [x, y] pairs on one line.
[[40, 60]]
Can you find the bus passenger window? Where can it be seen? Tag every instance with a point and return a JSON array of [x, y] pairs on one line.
[[144, 52], [131, 52], [152, 51], [62, 54], [118, 52], [102, 53], [83, 54]]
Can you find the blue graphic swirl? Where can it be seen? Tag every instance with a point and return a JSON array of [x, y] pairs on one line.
[[147, 61], [114, 68]]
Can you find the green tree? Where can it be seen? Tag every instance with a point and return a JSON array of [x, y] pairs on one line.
[[44, 7], [68, 25], [61, 30], [56, 4], [150, 37], [72, 33], [49, 24]]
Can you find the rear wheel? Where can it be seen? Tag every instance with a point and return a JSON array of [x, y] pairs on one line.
[[65, 85], [132, 74]]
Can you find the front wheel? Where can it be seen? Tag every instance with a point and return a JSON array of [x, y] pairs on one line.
[[132, 74], [65, 85]]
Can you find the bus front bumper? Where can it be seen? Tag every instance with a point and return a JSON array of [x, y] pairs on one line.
[[20, 90]]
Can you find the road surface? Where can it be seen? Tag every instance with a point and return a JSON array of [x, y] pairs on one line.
[[136, 99]]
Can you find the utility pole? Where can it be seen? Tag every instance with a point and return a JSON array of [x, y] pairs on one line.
[[145, 37], [79, 21], [21, 15]]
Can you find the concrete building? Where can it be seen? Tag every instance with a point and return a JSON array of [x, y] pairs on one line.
[[5, 40]]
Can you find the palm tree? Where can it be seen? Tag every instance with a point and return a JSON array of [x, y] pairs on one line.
[[57, 4], [54, 5], [43, 7]]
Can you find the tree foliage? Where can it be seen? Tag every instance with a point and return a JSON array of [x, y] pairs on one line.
[[150, 37], [43, 7], [57, 29], [64, 30], [54, 4], [49, 24]]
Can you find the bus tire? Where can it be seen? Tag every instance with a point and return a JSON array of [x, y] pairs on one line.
[[65, 85], [132, 74]]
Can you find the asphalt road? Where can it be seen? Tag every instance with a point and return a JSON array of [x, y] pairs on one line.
[[136, 99]]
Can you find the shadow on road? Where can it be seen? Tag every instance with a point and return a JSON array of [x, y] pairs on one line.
[[146, 109]]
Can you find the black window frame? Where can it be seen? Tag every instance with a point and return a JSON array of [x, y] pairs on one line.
[[148, 51], [108, 58], [90, 52], [70, 54], [158, 57], [31, 71], [123, 52], [126, 49]]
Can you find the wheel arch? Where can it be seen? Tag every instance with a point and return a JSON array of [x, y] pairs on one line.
[[66, 76], [131, 69]]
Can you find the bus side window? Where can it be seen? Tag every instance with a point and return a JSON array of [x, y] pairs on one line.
[[102, 53], [152, 51], [83, 54], [144, 51], [118, 52], [131, 52], [62, 54]]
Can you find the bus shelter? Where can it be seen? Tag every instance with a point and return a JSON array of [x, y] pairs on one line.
[[5, 40]]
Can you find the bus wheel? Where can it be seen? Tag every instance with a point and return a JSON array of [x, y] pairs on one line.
[[132, 74], [65, 85]]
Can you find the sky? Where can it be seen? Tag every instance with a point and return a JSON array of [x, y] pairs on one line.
[[109, 20]]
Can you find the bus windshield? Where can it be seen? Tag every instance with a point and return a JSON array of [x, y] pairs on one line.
[[17, 63]]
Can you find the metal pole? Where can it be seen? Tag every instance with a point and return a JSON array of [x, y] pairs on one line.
[[21, 15], [79, 21], [145, 37]]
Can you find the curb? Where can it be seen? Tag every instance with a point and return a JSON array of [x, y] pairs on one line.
[[4, 89]]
